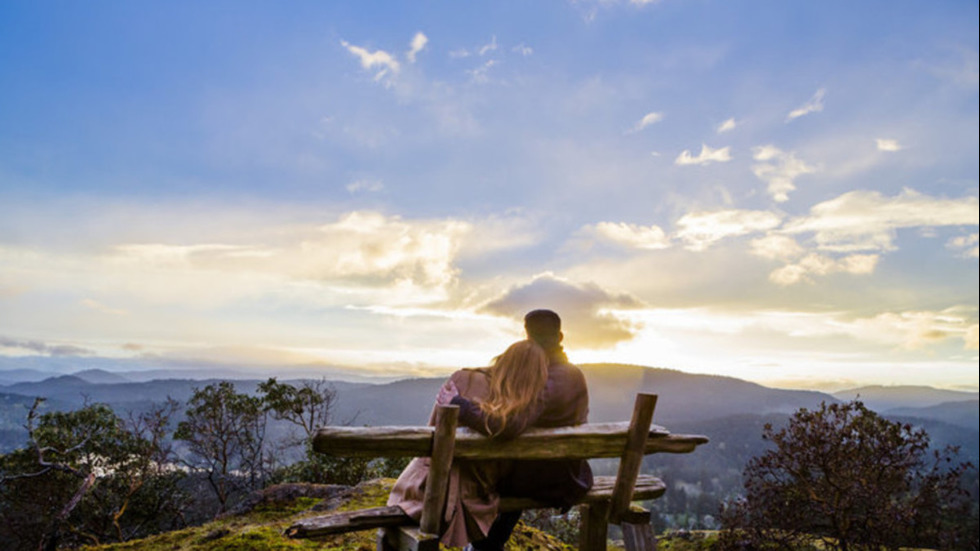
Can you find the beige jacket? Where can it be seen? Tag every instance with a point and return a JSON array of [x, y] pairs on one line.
[[472, 500]]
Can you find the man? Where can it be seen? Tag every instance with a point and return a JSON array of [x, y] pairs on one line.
[[560, 483]]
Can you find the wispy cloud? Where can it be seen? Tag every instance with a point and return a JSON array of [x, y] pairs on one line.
[[100, 307], [779, 169], [699, 230], [630, 235], [817, 264], [967, 245], [379, 59], [38, 347], [813, 106], [707, 155], [584, 308], [726, 126], [417, 45], [481, 74], [867, 220], [887, 145], [358, 186], [648, 119], [522, 49], [488, 47], [916, 329]]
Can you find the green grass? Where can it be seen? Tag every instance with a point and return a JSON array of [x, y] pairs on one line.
[[262, 530]]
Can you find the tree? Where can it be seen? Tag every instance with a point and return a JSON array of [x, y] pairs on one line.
[[855, 479], [307, 408], [83, 478], [225, 435]]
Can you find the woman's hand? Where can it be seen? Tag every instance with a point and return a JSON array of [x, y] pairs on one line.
[[446, 393]]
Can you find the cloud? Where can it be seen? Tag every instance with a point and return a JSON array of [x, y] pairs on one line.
[[814, 105], [647, 120], [630, 235], [380, 59], [489, 47], [971, 339], [867, 220], [417, 45], [917, 329], [706, 156], [522, 49], [777, 247], [966, 244], [701, 229], [779, 169], [480, 74], [99, 307], [817, 264], [884, 144], [726, 126], [372, 186], [584, 308], [360, 256], [800, 264], [39, 347]]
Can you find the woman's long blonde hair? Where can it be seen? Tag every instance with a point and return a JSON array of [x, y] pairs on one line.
[[516, 378]]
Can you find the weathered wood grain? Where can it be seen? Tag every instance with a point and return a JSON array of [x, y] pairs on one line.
[[579, 442], [406, 538], [443, 444], [629, 464], [350, 521], [594, 527], [647, 487]]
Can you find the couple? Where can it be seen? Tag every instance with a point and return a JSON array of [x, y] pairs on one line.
[[530, 385]]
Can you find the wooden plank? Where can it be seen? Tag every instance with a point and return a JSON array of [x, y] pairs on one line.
[[579, 442], [443, 445], [350, 521], [629, 464], [594, 527], [406, 538], [647, 487]]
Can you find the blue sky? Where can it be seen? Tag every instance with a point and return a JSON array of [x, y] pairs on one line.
[[784, 192]]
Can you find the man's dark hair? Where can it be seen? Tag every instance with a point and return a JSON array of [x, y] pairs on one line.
[[542, 324]]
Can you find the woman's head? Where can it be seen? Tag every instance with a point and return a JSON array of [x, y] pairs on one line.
[[516, 378]]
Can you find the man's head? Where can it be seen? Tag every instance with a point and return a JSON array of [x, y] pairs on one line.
[[543, 327]]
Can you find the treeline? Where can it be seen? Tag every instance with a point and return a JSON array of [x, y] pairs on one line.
[[94, 476]]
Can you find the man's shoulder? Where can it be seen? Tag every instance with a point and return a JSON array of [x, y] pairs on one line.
[[565, 369]]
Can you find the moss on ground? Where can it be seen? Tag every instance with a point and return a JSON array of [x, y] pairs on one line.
[[262, 529]]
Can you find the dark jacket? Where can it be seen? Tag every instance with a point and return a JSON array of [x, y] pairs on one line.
[[564, 402]]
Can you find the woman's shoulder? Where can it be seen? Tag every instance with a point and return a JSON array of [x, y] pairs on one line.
[[473, 383], [469, 373]]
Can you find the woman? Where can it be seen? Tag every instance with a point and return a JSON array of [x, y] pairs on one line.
[[501, 402]]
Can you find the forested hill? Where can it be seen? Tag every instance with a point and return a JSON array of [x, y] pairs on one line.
[[687, 400]]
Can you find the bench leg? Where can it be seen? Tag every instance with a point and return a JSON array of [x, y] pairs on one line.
[[594, 527], [406, 538], [637, 531]]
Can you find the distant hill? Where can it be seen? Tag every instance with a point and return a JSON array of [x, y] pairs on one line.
[[612, 390], [100, 376], [963, 414], [686, 396], [882, 398], [13, 376]]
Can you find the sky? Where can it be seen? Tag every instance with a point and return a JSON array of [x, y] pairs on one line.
[[784, 192]]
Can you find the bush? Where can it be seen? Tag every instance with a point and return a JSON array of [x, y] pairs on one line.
[[855, 479]]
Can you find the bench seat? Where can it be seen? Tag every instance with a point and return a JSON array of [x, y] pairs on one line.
[[647, 487]]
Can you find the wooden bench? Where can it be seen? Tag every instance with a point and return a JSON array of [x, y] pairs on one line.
[[607, 502]]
